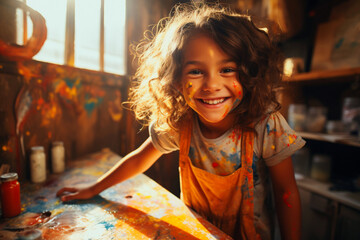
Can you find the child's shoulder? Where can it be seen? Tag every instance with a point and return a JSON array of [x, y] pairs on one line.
[[270, 117], [164, 141], [271, 120]]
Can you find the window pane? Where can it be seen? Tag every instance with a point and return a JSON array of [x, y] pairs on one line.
[[87, 34], [114, 23], [54, 12], [19, 26]]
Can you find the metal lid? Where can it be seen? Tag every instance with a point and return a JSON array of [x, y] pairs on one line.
[[7, 177], [58, 143], [37, 149]]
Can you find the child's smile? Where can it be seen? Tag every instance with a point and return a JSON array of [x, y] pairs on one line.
[[210, 81]]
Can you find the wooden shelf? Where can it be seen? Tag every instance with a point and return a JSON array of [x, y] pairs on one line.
[[351, 199], [333, 138], [323, 75]]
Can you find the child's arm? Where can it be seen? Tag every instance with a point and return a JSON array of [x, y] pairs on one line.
[[132, 164], [287, 199]]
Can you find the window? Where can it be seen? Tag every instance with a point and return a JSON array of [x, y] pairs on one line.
[[83, 33], [54, 12]]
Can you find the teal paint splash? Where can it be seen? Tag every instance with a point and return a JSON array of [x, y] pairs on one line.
[[71, 83], [107, 225], [91, 103], [233, 158], [339, 43]]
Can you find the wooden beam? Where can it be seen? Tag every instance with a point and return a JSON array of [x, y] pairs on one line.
[[70, 34]]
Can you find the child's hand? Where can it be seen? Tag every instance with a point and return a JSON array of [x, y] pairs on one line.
[[72, 193]]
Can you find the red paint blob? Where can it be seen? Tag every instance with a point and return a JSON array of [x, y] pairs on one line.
[[285, 199], [215, 164]]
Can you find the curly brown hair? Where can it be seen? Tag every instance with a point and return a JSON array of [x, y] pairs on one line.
[[155, 95]]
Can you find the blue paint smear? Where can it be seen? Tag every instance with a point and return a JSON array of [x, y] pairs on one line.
[[71, 83], [191, 153], [91, 105], [268, 128], [339, 43], [354, 44], [233, 158], [38, 208], [81, 205], [255, 173], [107, 225], [235, 104]]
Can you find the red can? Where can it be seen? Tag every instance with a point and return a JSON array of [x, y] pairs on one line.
[[10, 195]]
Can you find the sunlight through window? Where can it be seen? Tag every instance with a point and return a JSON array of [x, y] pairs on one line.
[[87, 33], [114, 17], [54, 12]]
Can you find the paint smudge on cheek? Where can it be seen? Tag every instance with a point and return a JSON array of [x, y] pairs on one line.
[[189, 93], [227, 108], [238, 92], [237, 89], [188, 85], [236, 103], [234, 84], [286, 199]]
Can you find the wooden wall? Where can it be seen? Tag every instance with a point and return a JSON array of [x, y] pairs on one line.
[[41, 103]]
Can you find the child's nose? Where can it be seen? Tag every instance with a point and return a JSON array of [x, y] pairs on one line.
[[211, 84]]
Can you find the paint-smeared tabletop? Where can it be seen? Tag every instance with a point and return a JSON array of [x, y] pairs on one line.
[[138, 208]]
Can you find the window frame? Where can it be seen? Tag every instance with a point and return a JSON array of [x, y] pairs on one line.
[[69, 48]]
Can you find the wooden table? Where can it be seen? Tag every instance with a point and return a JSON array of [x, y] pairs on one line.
[[138, 208]]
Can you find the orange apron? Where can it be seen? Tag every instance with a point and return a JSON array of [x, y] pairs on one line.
[[226, 201]]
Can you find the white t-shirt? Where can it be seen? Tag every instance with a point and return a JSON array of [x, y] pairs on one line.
[[274, 142]]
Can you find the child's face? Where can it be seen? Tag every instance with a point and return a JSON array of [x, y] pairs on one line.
[[209, 80]]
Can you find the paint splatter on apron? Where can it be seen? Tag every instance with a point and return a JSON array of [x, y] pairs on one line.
[[226, 201]]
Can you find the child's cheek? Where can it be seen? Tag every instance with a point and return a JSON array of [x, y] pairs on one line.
[[238, 94], [189, 92]]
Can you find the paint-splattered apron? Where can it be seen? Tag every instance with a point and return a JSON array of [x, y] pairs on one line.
[[226, 201]]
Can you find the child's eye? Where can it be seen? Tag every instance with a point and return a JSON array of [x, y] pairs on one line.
[[228, 70], [195, 72]]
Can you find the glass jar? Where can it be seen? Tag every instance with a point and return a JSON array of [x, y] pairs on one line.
[[350, 112], [297, 116], [321, 167], [58, 157], [10, 195], [335, 127], [316, 119], [301, 162], [38, 164]]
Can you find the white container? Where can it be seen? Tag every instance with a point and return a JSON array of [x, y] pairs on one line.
[[297, 116], [58, 157], [38, 164]]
